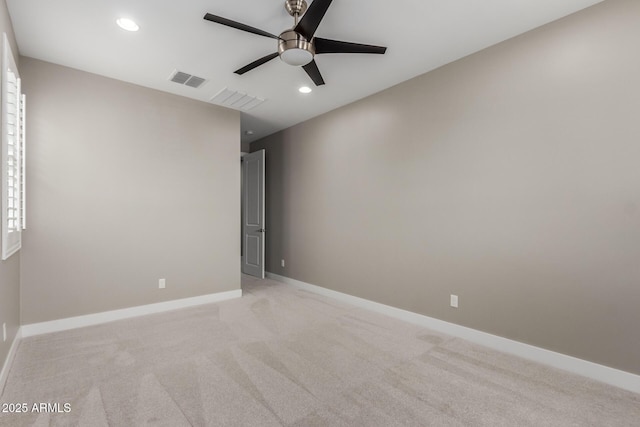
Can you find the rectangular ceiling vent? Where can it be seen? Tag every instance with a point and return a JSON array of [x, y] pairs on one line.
[[186, 79], [236, 100]]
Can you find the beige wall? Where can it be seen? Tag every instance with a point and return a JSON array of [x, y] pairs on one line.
[[9, 269], [510, 178], [126, 185]]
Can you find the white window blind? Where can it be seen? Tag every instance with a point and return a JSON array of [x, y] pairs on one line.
[[23, 158], [13, 150]]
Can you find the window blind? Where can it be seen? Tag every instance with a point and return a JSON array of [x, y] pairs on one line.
[[23, 156], [13, 151]]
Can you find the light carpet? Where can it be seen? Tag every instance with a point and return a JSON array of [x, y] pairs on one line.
[[284, 356]]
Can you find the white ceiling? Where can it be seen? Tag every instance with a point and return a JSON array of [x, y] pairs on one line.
[[420, 35]]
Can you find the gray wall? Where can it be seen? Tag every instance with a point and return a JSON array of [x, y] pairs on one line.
[[9, 269], [126, 185], [510, 178]]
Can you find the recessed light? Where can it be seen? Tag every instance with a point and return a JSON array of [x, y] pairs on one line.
[[127, 24], [305, 89]]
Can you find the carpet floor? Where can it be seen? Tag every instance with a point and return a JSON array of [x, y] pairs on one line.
[[284, 356]]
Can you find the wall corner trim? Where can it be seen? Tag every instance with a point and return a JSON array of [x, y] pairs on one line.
[[6, 367], [125, 313], [594, 371]]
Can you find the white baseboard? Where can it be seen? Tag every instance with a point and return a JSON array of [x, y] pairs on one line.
[[605, 374], [126, 313], [6, 367]]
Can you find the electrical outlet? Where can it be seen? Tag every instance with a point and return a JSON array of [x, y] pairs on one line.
[[162, 283], [454, 301], [4, 332], [282, 263]]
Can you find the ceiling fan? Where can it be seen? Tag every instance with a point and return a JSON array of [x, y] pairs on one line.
[[298, 46]]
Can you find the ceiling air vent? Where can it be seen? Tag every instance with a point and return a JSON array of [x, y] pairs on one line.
[[186, 79], [194, 81], [236, 100]]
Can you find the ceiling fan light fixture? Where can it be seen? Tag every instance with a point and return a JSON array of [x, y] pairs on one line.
[[296, 57], [294, 49], [127, 24]]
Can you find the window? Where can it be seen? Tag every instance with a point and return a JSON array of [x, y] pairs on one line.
[[13, 154]]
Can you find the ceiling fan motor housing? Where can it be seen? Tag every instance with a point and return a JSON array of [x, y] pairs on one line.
[[295, 49]]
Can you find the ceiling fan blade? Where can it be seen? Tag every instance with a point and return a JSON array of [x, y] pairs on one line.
[[257, 63], [311, 19], [312, 69], [336, 46], [237, 25]]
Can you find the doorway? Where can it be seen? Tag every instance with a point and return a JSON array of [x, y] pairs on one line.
[[253, 218]]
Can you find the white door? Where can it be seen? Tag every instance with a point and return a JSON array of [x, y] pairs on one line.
[[253, 214]]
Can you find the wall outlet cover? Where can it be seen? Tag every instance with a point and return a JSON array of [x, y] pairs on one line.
[[162, 283], [454, 301]]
